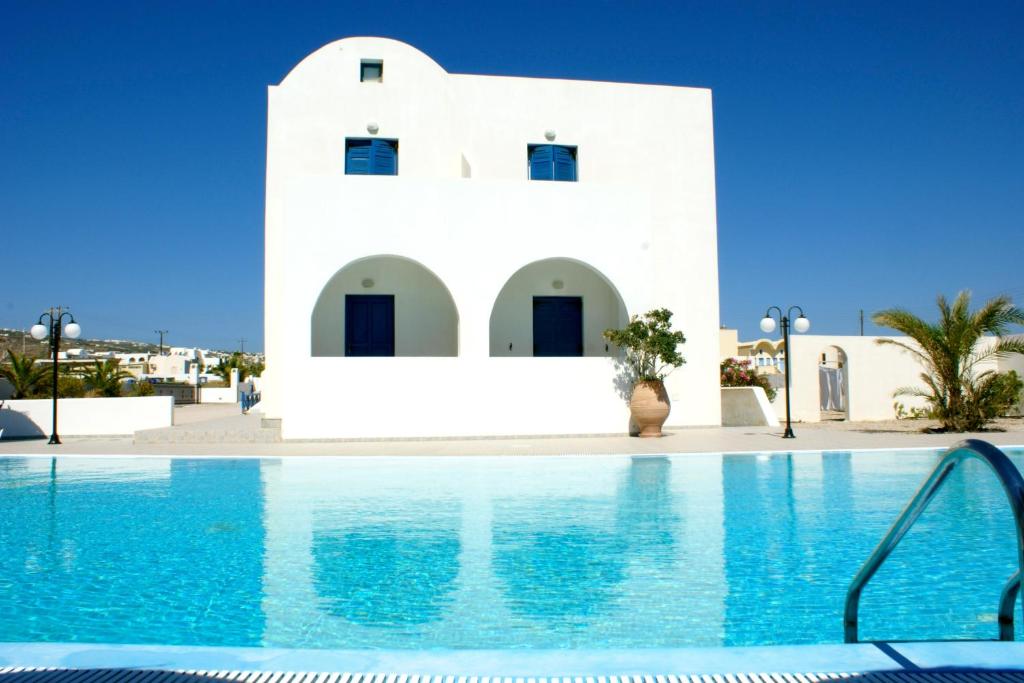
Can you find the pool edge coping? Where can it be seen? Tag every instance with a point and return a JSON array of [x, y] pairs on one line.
[[858, 658]]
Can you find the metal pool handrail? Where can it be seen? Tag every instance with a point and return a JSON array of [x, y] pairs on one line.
[[1013, 486]]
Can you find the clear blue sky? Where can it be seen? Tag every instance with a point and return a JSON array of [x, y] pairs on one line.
[[869, 154]]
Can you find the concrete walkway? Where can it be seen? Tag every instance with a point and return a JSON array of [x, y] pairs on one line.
[[217, 423]]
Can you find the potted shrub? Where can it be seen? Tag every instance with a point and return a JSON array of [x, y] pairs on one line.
[[649, 348]]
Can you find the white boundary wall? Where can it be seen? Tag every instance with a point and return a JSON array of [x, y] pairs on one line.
[[85, 416], [874, 373]]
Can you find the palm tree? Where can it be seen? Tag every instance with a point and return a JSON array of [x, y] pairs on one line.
[[24, 375], [105, 379], [961, 398], [226, 365]]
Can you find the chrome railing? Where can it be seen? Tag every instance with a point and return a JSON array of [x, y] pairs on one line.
[[1013, 486]]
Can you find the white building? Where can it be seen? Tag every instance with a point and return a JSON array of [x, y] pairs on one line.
[[136, 363], [437, 245], [178, 365]]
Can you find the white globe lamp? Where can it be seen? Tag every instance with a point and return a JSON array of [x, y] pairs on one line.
[[39, 331], [767, 324], [801, 324], [73, 330]]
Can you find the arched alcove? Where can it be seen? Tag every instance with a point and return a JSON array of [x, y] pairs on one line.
[[572, 302], [384, 306], [834, 384]]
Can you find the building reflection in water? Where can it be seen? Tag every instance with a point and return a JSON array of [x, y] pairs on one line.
[[560, 571], [386, 575], [785, 517]]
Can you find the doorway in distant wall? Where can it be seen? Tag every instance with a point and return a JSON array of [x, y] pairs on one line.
[[369, 325], [834, 384], [557, 326]]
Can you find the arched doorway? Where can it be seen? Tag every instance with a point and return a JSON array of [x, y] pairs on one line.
[[833, 384], [384, 306], [555, 307]]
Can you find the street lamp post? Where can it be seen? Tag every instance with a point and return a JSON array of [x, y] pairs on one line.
[[801, 324], [52, 329]]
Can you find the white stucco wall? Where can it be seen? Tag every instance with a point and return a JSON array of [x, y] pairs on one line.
[[874, 373], [86, 416], [645, 221]]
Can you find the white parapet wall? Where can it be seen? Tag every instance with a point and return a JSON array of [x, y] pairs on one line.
[[218, 395], [85, 416], [459, 397], [747, 407]]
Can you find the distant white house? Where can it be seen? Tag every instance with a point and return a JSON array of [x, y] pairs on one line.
[[443, 251], [136, 363], [181, 364]]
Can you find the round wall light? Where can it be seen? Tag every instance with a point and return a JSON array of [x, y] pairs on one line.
[[367, 282], [549, 134], [372, 128], [558, 284]]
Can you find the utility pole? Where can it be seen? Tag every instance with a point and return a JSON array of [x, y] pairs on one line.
[[161, 333], [862, 322], [241, 343]]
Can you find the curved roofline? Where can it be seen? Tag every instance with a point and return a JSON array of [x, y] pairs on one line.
[[341, 41]]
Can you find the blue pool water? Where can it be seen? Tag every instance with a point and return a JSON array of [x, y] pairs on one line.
[[515, 552]]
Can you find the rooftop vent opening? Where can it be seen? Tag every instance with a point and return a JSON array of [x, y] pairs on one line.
[[371, 71]]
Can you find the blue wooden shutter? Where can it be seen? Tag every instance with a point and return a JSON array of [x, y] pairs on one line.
[[564, 163], [540, 163], [385, 158], [357, 157]]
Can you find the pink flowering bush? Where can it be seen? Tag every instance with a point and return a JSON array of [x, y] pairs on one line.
[[739, 373]]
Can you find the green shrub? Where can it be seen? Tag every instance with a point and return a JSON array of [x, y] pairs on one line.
[[141, 388]]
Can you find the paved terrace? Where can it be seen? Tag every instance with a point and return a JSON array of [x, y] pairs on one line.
[[221, 430]]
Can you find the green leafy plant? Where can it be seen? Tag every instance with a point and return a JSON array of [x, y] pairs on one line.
[[106, 378], [68, 386], [649, 345], [142, 388], [24, 374], [960, 397], [738, 373]]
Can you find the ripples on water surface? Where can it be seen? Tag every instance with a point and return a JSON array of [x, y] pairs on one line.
[[587, 552]]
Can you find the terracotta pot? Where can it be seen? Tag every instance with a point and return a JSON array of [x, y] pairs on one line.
[[649, 407]]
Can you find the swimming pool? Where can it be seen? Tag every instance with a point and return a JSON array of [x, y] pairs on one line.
[[493, 552]]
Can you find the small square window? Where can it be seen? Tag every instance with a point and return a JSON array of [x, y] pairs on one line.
[[371, 71]]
